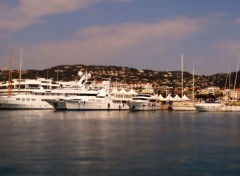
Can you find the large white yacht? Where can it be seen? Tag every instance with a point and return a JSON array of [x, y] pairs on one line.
[[144, 102], [31, 94], [59, 103], [103, 101]]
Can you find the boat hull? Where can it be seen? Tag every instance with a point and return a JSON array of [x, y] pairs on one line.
[[57, 104], [143, 106], [183, 106], [23, 103], [209, 107], [95, 105]]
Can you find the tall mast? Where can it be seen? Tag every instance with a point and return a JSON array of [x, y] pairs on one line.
[[228, 71], [182, 72], [20, 70], [236, 73], [10, 75], [230, 74], [193, 86]]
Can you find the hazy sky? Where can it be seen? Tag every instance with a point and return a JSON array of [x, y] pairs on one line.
[[144, 34]]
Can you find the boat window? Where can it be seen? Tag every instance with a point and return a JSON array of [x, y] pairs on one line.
[[86, 94], [144, 95], [28, 99], [152, 100], [33, 99], [139, 99], [23, 99], [17, 98]]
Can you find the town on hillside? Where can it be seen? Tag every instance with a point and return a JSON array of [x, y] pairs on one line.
[[161, 82]]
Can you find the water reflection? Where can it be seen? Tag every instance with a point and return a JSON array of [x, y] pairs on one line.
[[118, 143]]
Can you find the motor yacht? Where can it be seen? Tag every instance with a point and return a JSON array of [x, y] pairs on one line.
[[144, 102]]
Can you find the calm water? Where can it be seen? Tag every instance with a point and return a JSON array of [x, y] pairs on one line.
[[119, 143]]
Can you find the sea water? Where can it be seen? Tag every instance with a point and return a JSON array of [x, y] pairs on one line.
[[121, 143]]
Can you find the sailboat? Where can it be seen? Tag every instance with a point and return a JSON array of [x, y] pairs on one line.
[[221, 106], [185, 104]]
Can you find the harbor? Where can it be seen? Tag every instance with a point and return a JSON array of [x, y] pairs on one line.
[[119, 88], [86, 94]]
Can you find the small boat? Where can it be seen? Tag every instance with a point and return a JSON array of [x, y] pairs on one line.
[[210, 106], [183, 106], [184, 103], [218, 106]]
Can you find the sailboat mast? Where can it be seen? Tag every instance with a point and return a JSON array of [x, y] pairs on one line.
[[20, 70], [10, 76], [193, 86], [182, 72], [236, 73]]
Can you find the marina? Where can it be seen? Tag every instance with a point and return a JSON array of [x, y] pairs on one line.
[[119, 88]]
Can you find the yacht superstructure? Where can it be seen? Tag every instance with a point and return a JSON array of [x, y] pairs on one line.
[[31, 94], [104, 100], [144, 102]]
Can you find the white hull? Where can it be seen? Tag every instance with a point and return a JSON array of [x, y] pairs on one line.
[[183, 106], [208, 107], [143, 106], [216, 107], [36, 100], [95, 105], [231, 108], [28, 102], [35, 92], [57, 104]]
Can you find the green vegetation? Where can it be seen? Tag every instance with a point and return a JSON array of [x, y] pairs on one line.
[[125, 75]]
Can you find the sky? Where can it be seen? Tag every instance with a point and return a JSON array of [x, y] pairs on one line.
[[143, 34]]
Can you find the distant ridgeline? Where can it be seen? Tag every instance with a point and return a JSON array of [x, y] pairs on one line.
[[126, 75]]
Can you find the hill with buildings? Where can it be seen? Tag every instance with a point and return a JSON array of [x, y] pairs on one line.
[[126, 75]]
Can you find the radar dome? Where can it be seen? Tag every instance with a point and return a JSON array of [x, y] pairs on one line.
[[80, 73]]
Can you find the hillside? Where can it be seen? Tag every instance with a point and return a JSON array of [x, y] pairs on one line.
[[125, 75]]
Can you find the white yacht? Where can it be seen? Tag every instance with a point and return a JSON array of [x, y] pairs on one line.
[[59, 104], [31, 94], [212, 106], [25, 86], [230, 108], [103, 101], [144, 102], [217, 107], [35, 99]]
